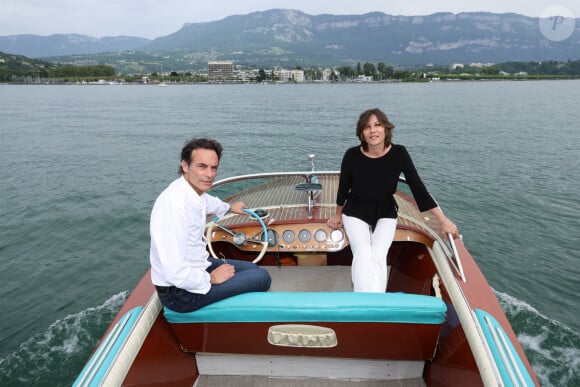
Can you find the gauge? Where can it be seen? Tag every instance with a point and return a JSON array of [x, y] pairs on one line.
[[272, 238], [261, 213], [320, 235], [240, 239], [336, 236], [304, 235], [288, 236]]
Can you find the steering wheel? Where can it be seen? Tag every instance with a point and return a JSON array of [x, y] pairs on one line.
[[239, 238]]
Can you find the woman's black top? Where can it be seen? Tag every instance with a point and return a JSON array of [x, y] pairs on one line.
[[367, 185]]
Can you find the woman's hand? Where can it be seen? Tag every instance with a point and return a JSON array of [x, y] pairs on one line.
[[448, 227], [335, 222]]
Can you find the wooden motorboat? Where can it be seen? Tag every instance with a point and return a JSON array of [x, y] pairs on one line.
[[438, 323]]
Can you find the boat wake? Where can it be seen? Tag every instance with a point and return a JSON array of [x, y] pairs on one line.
[[552, 347], [48, 357]]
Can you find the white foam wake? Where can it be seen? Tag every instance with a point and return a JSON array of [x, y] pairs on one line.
[[60, 350]]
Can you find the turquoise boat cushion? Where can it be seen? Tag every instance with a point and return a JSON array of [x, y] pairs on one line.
[[318, 307]]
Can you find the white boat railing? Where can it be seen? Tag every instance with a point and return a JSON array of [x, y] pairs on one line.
[[488, 369]]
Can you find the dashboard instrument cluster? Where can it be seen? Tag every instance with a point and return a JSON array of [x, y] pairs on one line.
[[309, 238], [295, 238]]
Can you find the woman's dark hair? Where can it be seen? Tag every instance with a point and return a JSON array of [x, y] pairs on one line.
[[196, 143], [364, 119]]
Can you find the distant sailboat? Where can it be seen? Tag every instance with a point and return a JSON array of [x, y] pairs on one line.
[[162, 83]]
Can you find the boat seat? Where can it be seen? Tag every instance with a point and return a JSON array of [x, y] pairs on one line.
[[376, 325], [318, 307]]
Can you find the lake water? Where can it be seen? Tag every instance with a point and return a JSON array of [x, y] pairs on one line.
[[80, 167]]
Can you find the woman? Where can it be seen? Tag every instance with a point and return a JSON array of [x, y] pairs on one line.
[[365, 204]]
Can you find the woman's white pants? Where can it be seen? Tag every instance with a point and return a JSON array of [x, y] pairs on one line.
[[370, 272]]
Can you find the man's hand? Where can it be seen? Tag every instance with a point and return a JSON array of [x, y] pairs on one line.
[[221, 274], [238, 208]]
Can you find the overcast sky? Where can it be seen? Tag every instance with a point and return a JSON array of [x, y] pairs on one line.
[[152, 19]]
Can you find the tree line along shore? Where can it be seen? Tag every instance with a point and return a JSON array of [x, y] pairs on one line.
[[21, 70]]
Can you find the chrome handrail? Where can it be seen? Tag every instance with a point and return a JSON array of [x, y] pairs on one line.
[[233, 179], [456, 256]]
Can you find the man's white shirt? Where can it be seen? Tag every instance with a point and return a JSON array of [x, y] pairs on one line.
[[178, 252]]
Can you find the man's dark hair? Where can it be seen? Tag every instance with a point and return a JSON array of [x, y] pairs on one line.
[[196, 143]]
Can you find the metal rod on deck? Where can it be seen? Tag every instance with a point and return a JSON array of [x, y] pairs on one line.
[[456, 254]]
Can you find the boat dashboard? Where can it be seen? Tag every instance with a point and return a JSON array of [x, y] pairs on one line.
[[299, 237]]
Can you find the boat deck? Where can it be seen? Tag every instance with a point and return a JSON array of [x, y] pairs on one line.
[[310, 278], [265, 381]]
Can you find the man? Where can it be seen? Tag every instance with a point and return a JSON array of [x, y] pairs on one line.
[[185, 276]]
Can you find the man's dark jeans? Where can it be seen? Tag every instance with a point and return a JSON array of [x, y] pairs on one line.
[[248, 277]]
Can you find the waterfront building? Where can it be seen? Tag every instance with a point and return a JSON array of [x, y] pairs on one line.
[[285, 75], [220, 69]]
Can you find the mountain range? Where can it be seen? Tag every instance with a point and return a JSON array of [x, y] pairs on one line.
[[292, 38]]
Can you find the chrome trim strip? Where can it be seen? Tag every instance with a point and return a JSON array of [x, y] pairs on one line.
[[103, 351]]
